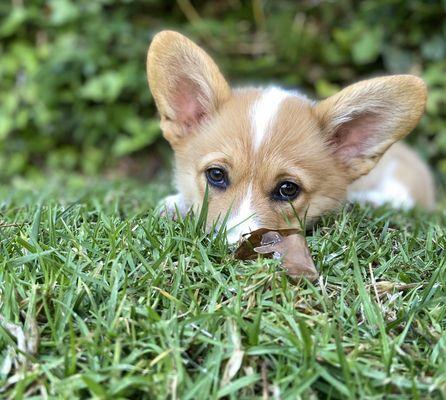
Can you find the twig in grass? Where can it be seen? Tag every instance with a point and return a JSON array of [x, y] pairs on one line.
[[322, 285], [10, 226], [159, 357], [386, 287], [373, 284], [174, 387], [265, 386]]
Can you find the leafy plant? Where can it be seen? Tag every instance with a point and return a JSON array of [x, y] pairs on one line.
[[74, 92]]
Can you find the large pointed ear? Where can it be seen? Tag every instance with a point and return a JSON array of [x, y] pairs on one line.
[[185, 82], [362, 121]]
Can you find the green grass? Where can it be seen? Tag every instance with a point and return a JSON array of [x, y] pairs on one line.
[[130, 305]]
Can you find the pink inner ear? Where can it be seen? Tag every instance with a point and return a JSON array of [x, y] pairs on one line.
[[186, 102], [354, 138]]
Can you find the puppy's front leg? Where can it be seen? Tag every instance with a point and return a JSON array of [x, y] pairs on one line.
[[170, 204]]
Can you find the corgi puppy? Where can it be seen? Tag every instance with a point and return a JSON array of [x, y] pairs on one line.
[[270, 156]]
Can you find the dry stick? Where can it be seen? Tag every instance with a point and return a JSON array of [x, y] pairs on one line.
[[265, 386]]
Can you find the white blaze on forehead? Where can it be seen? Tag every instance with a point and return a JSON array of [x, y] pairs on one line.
[[242, 220], [264, 111]]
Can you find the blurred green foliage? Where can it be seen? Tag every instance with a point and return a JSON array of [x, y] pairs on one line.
[[72, 72]]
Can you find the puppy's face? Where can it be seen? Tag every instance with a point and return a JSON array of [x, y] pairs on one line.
[[262, 164], [269, 157]]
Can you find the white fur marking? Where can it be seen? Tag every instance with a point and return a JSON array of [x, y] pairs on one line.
[[264, 111], [169, 205], [389, 191], [243, 220]]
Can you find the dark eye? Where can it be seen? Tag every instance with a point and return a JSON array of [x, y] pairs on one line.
[[286, 191], [217, 177]]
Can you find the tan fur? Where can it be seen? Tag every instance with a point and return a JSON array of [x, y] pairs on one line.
[[228, 143], [321, 147]]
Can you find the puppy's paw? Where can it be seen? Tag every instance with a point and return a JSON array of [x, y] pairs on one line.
[[170, 206]]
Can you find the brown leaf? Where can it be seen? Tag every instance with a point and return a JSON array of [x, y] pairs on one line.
[[246, 251], [286, 244]]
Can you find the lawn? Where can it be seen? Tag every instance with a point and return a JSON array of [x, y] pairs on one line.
[[105, 299]]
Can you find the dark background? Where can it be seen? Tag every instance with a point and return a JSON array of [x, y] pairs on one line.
[[73, 91]]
